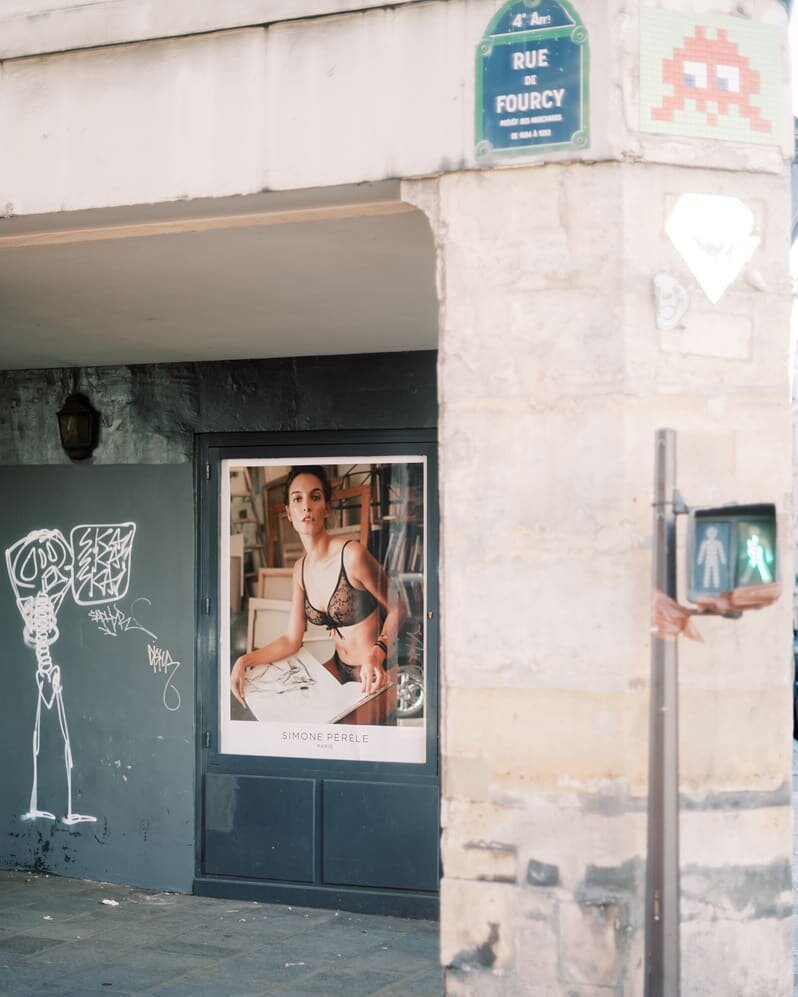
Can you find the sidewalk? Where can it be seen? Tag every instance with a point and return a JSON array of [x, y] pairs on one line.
[[59, 937]]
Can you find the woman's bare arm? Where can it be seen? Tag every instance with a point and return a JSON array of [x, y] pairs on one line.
[[364, 571], [281, 647]]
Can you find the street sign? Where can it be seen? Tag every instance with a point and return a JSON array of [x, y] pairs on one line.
[[731, 547], [532, 80]]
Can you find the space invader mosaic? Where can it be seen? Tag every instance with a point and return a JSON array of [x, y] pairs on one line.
[[710, 77]]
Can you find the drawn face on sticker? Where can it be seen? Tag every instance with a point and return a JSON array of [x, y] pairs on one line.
[[714, 77], [672, 301]]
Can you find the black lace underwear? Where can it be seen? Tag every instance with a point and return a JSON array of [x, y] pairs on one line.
[[345, 607]]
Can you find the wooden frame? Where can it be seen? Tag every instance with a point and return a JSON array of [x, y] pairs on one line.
[[264, 574], [273, 614], [241, 492], [236, 570], [278, 609]]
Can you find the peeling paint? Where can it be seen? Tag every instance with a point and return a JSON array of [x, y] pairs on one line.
[[623, 878], [607, 898], [542, 874], [481, 956], [745, 800], [757, 890], [615, 804], [618, 804], [491, 846]]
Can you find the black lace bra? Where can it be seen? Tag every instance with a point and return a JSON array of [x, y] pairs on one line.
[[345, 607]]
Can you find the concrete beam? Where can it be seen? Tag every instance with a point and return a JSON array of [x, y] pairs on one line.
[[36, 27]]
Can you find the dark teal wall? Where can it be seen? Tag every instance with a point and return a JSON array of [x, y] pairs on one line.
[[129, 708], [150, 414]]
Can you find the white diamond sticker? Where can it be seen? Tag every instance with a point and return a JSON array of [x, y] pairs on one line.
[[714, 235]]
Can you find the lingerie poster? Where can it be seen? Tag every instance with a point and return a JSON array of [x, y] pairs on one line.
[[323, 584]]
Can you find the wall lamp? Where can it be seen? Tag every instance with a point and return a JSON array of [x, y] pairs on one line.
[[79, 426]]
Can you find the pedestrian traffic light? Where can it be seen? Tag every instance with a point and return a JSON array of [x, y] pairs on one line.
[[730, 547]]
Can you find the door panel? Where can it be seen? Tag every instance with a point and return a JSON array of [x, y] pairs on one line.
[[260, 828], [377, 834], [352, 819]]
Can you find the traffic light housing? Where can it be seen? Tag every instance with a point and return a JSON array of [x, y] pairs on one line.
[[731, 547]]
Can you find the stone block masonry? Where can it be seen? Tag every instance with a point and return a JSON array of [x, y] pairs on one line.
[[553, 378]]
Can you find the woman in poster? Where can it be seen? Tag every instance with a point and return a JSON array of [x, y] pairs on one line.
[[337, 584]]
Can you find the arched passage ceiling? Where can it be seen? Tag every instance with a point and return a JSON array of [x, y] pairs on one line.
[[334, 271]]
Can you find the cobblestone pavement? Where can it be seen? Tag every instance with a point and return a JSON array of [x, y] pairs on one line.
[[72, 937]]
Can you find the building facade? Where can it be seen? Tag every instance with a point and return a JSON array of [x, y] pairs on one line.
[[541, 231]]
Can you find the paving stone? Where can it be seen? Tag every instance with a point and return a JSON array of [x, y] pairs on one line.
[[425, 984], [199, 986], [203, 953], [26, 944], [67, 930], [426, 944], [341, 982], [280, 962], [58, 963], [391, 960], [134, 971], [340, 939], [175, 945], [14, 987], [61, 902], [20, 919]]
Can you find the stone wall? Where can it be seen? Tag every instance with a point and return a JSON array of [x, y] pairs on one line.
[[291, 101], [150, 412], [553, 380], [553, 377]]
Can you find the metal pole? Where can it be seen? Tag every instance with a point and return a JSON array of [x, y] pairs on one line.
[[662, 870]]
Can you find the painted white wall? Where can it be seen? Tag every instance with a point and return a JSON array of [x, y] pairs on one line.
[[381, 93], [135, 124], [32, 27]]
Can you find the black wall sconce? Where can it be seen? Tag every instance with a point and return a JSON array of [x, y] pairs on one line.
[[79, 426]]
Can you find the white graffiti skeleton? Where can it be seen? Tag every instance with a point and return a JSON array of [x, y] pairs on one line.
[[41, 568]]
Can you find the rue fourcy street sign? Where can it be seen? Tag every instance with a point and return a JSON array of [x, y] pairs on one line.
[[532, 80]]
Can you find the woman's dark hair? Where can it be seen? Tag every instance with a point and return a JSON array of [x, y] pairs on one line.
[[318, 472]]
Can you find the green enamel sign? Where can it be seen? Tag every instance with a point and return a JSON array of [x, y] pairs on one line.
[[532, 80]]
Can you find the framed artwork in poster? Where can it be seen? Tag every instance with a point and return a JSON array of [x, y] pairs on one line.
[[323, 577]]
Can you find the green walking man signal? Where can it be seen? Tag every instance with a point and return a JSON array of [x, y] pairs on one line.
[[731, 547]]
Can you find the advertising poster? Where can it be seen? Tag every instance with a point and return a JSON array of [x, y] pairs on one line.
[[324, 589]]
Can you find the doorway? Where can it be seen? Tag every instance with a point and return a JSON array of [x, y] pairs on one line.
[[315, 790]]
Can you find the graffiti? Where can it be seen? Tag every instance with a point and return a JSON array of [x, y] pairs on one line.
[[710, 76], [95, 566], [672, 301], [715, 76], [42, 568], [161, 661], [112, 622], [102, 562]]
